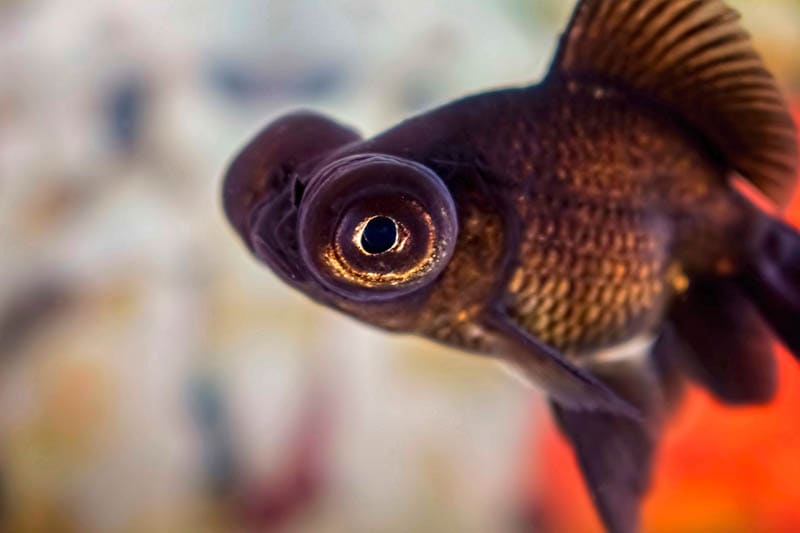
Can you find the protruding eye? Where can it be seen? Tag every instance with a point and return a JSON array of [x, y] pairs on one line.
[[379, 235], [373, 227]]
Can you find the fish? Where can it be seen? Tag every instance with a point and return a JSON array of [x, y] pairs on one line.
[[612, 232]]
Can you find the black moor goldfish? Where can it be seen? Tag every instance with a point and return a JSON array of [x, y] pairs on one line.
[[591, 229]]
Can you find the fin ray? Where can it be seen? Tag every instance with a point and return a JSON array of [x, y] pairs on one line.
[[693, 58]]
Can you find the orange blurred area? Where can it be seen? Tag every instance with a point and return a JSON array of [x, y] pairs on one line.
[[719, 469]]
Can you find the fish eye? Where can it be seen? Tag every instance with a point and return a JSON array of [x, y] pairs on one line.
[[379, 235], [373, 227]]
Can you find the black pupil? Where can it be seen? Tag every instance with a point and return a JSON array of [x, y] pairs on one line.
[[379, 236]]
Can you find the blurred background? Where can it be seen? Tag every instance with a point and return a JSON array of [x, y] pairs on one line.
[[154, 378]]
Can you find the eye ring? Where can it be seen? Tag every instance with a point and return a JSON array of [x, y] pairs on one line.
[[406, 201]]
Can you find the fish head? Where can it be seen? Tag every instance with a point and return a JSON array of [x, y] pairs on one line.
[[359, 231]]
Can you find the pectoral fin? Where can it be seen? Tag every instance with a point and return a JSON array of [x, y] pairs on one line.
[[569, 385], [615, 453]]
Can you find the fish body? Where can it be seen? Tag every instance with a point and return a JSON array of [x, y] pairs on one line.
[[600, 206], [585, 229]]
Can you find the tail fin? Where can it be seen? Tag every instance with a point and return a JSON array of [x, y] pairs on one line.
[[773, 282], [728, 325], [726, 345]]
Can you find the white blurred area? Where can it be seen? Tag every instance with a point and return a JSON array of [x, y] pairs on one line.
[[153, 377]]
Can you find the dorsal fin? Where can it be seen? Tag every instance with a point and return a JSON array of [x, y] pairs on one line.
[[693, 57]]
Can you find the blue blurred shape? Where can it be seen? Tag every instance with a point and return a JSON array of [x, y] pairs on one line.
[[207, 406], [126, 107], [243, 84]]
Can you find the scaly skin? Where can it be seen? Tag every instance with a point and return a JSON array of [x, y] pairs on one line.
[[591, 209]]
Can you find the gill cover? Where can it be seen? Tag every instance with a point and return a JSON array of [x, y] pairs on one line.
[[373, 227]]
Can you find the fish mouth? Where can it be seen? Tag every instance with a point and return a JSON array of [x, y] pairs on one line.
[[259, 203], [264, 184], [273, 238], [267, 165]]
